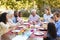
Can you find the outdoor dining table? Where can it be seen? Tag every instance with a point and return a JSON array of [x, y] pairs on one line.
[[28, 32]]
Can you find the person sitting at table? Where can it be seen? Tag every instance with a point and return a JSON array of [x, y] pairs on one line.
[[34, 18], [4, 26], [57, 23], [4, 19], [47, 15], [19, 18], [51, 29], [15, 17], [10, 13], [10, 21]]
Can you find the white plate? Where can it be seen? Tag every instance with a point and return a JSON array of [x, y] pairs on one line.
[[37, 26], [38, 38], [20, 37], [25, 23], [45, 22], [38, 33], [15, 30], [20, 26], [41, 28]]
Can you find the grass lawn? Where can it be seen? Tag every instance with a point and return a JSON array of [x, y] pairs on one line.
[[25, 18]]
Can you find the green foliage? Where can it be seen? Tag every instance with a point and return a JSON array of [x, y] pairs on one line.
[[18, 4], [29, 4], [25, 13]]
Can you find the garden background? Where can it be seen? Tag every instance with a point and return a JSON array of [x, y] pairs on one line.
[[27, 5]]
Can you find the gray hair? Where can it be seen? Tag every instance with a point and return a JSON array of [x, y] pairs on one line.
[[33, 10]]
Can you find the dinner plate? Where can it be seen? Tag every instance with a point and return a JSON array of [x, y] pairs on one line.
[[20, 26], [25, 23], [15, 30], [41, 28], [45, 22], [38, 33], [20, 37], [36, 26]]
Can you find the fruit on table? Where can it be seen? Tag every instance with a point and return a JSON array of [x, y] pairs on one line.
[[21, 31]]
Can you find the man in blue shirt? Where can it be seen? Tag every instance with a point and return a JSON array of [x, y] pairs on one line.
[[57, 23], [14, 19]]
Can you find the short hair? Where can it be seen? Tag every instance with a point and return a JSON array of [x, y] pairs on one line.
[[33, 10], [10, 12], [57, 14], [15, 13], [19, 13], [52, 17]]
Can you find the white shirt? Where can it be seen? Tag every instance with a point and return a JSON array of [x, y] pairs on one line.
[[34, 18], [11, 23], [10, 20], [47, 17], [4, 25], [3, 28]]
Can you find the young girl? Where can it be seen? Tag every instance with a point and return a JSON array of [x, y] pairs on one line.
[[19, 18]]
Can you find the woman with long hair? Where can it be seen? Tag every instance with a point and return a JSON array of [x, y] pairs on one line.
[[4, 25], [52, 34], [4, 18]]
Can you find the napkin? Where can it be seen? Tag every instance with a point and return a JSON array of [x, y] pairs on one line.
[[38, 38], [23, 37], [20, 37]]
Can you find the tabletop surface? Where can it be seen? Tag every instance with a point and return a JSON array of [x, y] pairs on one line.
[[24, 33]]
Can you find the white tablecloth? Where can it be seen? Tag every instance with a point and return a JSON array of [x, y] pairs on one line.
[[20, 37]]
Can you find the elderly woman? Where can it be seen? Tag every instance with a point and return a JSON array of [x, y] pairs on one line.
[[34, 18], [10, 21], [10, 13]]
